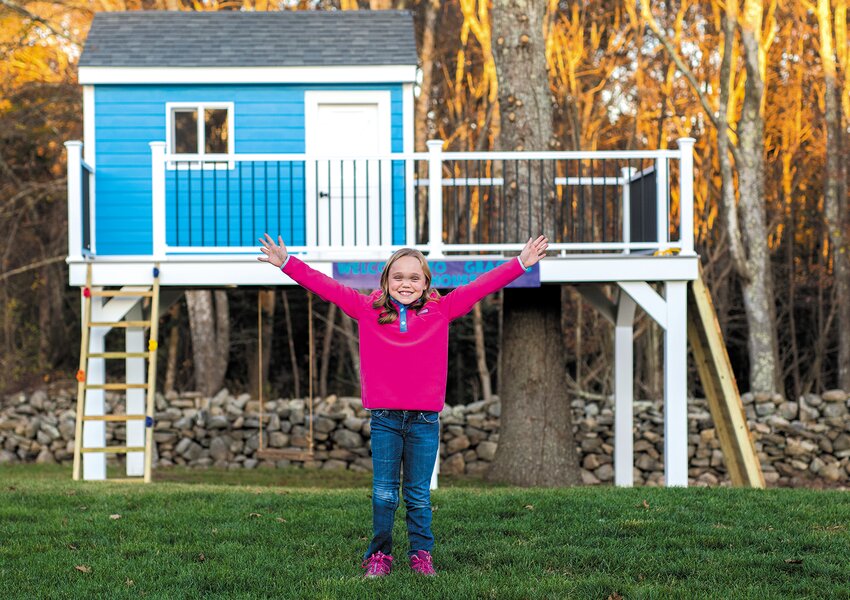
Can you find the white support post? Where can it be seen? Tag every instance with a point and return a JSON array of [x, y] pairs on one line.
[[436, 470], [435, 198], [662, 207], [407, 108], [626, 174], [94, 432], [136, 369], [686, 194], [676, 385], [158, 197], [75, 199], [624, 392]]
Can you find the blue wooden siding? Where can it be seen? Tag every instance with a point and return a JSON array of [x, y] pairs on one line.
[[267, 119]]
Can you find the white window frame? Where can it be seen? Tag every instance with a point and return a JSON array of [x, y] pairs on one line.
[[200, 107]]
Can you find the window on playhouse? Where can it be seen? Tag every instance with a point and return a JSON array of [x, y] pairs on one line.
[[200, 129]]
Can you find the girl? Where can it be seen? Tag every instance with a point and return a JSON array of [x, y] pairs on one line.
[[404, 340]]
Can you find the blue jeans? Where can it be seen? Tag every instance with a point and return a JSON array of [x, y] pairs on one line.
[[412, 438]]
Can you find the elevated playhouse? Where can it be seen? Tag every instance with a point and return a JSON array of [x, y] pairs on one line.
[[301, 124]]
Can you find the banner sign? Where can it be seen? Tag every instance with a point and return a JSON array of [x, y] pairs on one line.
[[445, 274]]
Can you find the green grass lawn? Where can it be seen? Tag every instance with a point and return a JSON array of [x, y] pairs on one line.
[[300, 534]]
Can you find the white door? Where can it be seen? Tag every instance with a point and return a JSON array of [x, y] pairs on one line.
[[348, 189]]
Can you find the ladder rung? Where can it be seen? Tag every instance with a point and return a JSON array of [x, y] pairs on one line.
[[116, 386], [114, 418], [114, 449], [120, 355], [122, 293], [120, 324]]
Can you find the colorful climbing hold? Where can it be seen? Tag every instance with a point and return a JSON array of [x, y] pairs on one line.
[[87, 292], [152, 345], [155, 272], [81, 376]]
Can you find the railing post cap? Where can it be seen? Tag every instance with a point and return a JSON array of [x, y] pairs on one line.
[[434, 145], [157, 145], [686, 140], [73, 144]]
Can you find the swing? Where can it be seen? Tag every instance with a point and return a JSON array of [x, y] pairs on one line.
[[297, 454]]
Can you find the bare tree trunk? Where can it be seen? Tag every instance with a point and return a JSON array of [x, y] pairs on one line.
[[327, 343], [536, 440], [296, 380], [480, 353], [652, 355], [426, 59], [500, 337], [834, 201], [579, 346], [173, 346], [758, 290], [536, 445], [746, 222], [209, 321], [423, 103]]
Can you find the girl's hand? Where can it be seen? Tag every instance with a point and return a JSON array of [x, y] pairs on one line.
[[534, 250], [274, 253]]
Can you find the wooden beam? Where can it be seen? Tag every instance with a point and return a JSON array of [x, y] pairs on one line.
[[721, 389]]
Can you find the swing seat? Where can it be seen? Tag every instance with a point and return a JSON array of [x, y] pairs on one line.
[[298, 454]]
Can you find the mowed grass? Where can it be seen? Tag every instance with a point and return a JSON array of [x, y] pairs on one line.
[[300, 534]]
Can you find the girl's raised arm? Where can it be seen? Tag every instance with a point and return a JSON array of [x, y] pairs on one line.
[[460, 301], [348, 299]]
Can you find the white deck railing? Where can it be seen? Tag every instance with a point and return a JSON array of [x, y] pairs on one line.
[[440, 202]]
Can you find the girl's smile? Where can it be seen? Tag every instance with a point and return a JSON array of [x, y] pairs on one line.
[[406, 281]]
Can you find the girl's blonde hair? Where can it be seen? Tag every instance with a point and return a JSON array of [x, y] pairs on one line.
[[389, 312]]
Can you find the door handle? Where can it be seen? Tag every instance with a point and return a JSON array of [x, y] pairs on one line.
[[324, 195]]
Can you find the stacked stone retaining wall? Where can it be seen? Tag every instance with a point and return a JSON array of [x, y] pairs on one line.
[[806, 442]]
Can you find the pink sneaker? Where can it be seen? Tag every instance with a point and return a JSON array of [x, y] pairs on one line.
[[421, 563], [378, 565]]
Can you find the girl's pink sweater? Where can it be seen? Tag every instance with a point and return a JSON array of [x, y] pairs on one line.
[[403, 370]]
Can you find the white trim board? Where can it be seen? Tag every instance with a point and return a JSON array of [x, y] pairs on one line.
[[222, 270], [90, 157], [189, 75]]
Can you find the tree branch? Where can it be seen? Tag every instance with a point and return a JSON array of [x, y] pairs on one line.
[[30, 267], [646, 13]]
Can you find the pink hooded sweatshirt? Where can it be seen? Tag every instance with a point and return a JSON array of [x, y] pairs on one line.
[[403, 370]]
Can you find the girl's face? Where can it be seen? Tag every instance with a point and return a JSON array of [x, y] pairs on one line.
[[406, 280]]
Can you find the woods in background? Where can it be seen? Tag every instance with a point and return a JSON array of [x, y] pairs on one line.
[[761, 85]]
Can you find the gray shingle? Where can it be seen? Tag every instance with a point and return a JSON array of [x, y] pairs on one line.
[[250, 39]]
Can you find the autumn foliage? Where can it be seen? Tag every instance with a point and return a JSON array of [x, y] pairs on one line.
[[614, 85]]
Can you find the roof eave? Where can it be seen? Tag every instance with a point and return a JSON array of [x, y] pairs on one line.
[[96, 75]]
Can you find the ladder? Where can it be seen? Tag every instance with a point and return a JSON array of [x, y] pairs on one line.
[[83, 385], [721, 389]]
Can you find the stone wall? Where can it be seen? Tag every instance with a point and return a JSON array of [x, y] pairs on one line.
[[799, 443]]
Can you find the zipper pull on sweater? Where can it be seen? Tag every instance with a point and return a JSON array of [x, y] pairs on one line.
[[402, 315]]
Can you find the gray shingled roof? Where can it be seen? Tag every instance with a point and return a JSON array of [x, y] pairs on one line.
[[250, 39]]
